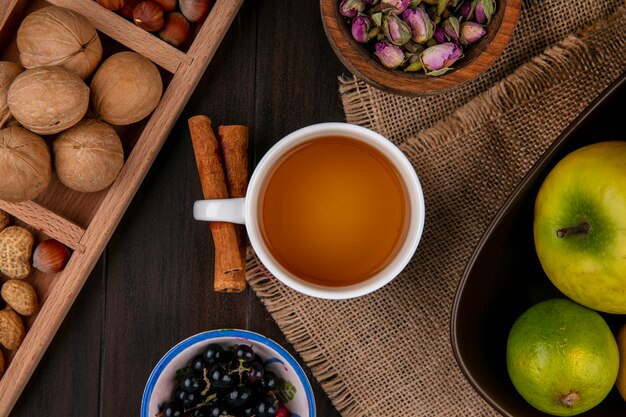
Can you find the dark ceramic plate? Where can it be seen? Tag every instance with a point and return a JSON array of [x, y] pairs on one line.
[[504, 277]]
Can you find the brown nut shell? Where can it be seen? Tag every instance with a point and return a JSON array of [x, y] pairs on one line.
[[57, 36], [148, 15], [88, 156], [21, 296], [12, 329], [50, 256], [112, 4], [8, 72], [126, 88], [176, 31], [16, 248], [25, 164], [195, 10], [48, 100], [4, 219]]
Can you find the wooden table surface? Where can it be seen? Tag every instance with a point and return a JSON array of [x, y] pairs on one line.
[[152, 287]]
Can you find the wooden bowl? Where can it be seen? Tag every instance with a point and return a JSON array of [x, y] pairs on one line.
[[504, 278], [363, 64]]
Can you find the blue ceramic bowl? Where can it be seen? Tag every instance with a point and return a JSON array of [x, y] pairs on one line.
[[160, 385]]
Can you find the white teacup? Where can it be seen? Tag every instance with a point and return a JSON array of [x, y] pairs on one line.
[[247, 210]]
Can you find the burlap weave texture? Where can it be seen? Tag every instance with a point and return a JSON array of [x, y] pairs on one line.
[[389, 353]]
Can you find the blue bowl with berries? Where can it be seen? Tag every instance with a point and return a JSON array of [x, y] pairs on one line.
[[228, 373]]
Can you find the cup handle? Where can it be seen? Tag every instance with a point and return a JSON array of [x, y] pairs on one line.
[[229, 210]]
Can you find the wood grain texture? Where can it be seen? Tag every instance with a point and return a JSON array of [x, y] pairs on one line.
[[478, 57], [128, 34], [72, 278], [46, 221]]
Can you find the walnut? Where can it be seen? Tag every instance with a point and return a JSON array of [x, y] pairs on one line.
[[126, 88], [88, 156], [57, 36], [8, 71], [47, 100], [25, 164]]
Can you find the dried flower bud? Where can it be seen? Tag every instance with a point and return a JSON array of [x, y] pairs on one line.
[[452, 28], [394, 6], [422, 27], [360, 28], [389, 54], [439, 35], [471, 32], [484, 11], [350, 8], [396, 29], [466, 11], [438, 59]]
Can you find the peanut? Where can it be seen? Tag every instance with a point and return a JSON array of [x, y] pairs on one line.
[[21, 296], [12, 329]]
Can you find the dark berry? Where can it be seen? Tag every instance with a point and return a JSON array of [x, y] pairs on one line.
[[224, 357], [217, 411], [204, 411], [244, 353], [192, 399], [197, 365], [239, 396], [180, 395], [268, 407], [220, 377], [258, 359], [211, 352], [192, 384], [255, 374], [249, 411], [173, 410], [270, 380]]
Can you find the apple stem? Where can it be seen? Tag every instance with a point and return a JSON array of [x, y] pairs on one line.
[[574, 230]]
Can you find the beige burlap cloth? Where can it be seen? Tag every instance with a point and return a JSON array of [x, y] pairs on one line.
[[389, 353]]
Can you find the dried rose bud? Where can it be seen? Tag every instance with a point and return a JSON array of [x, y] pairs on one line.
[[389, 54], [484, 11], [394, 6], [471, 32], [350, 8], [439, 35], [466, 11], [438, 59], [396, 29], [421, 25], [451, 28], [360, 28]]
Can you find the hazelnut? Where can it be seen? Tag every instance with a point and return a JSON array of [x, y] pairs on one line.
[[148, 15], [50, 256], [112, 4], [176, 30], [168, 5], [127, 10], [195, 10]]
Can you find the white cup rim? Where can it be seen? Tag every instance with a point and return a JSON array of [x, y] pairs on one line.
[[402, 165]]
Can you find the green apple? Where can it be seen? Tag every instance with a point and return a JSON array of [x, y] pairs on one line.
[[580, 226]]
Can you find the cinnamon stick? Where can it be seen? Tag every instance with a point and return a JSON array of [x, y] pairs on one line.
[[234, 144], [228, 264]]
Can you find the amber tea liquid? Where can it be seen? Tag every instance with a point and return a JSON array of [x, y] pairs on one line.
[[333, 211]]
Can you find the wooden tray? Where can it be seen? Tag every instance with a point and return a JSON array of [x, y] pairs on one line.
[[85, 222]]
